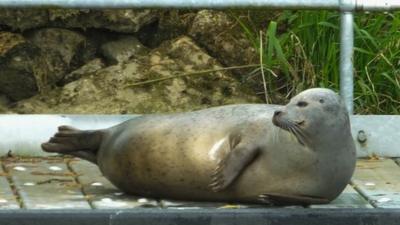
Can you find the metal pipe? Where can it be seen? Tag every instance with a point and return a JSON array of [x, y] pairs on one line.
[[294, 4], [370, 5], [377, 5], [23, 134], [346, 59]]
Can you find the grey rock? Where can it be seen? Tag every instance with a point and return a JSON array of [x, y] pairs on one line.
[[4, 102], [119, 20], [122, 50], [61, 50], [22, 70], [223, 39], [23, 19], [86, 70], [171, 24]]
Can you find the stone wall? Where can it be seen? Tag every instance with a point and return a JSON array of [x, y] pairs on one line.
[[121, 61]]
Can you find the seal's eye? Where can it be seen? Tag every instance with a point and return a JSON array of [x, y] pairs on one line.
[[321, 101], [302, 104]]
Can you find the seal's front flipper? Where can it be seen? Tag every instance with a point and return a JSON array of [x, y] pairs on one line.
[[89, 156], [282, 199], [69, 140], [230, 167]]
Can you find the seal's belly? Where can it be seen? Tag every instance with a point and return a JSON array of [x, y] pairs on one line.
[[157, 166]]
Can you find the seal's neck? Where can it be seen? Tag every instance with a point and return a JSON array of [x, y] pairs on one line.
[[336, 137]]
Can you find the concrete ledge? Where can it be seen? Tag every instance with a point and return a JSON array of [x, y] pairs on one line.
[[268, 216]]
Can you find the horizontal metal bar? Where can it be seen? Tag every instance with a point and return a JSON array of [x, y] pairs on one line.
[[281, 216], [298, 4], [377, 5], [376, 135], [23, 134], [383, 5]]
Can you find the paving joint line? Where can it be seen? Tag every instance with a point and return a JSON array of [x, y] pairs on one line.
[[14, 189], [86, 196]]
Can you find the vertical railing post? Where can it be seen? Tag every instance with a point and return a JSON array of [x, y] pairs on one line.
[[346, 59]]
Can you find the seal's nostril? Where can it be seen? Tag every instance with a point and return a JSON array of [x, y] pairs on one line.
[[277, 113]]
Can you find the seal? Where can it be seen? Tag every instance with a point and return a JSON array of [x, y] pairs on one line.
[[301, 153]]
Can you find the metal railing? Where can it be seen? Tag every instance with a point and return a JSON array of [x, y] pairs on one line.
[[345, 5]]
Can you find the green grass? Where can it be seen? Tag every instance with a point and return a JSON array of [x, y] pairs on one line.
[[299, 50]]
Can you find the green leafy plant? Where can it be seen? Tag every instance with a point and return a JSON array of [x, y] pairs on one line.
[[306, 54]]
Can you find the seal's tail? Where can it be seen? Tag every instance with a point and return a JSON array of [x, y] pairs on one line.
[[72, 141]]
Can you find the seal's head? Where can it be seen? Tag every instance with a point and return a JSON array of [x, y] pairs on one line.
[[311, 113]]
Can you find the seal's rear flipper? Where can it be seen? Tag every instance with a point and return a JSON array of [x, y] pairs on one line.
[[80, 143], [282, 199]]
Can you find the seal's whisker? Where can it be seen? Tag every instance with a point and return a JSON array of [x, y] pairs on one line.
[[299, 137], [277, 136], [286, 126], [300, 134], [274, 135], [291, 131], [297, 127]]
